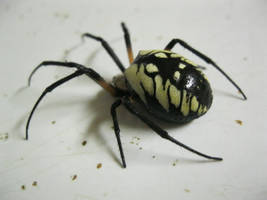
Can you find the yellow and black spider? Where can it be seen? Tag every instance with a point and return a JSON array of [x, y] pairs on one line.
[[170, 87]]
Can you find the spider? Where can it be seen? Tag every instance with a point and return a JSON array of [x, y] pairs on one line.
[[169, 86]]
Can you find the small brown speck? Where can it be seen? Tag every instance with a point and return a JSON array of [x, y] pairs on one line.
[[136, 138], [99, 165], [84, 142], [153, 157], [23, 187], [140, 148], [4, 136], [74, 177], [175, 162], [131, 142], [53, 122], [34, 183], [187, 190], [239, 122]]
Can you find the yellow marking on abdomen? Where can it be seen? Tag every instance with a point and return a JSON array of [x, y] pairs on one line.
[[133, 79], [136, 79], [161, 93], [147, 52], [152, 68], [144, 52], [146, 81], [202, 109], [175, 96], [190, 62], [194, 104], [185, 104], [161, 55], [182, 66], [175, 55], [176, 75]]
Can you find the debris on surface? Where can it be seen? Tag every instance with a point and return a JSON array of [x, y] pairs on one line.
[[62, 16], [239, 122], [74, 177], [175, 162], [23, 187], [34, 183], [4, 136], [84, 142], [135, 140], [99, 165], [53, 122], [187, 190]]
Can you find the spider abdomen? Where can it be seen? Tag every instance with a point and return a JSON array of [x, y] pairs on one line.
[[171, 87]]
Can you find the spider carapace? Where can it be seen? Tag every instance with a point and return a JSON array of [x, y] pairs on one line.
[[169, 86]]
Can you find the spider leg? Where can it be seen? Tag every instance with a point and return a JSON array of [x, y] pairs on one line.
[[160, 131], [107, 47], [80, 71], [49, 89], [127, 42], [114, 106], [87, 71], [173, 42]]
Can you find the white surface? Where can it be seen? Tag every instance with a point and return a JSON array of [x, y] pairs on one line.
[[233, 33]]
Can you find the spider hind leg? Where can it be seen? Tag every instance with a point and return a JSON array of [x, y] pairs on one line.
[[164, 134], [175, 41]]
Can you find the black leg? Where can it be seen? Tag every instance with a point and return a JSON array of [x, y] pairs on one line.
[[80, 71], [160, 131], [127, 42], [49, 89], [205, 58], [109, 50], [87, 71], [114, 106]]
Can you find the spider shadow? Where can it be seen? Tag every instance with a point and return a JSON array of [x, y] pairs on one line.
[[100, 107]]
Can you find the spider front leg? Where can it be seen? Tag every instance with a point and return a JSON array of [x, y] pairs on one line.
[[80, 71], [127, 102], [175, 41], [114, 106], [128, 42], [107, 47]]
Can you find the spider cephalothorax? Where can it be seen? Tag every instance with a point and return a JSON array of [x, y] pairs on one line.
[[171, 87]]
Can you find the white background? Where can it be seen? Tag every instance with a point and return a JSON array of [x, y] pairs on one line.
[[233, 33]]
